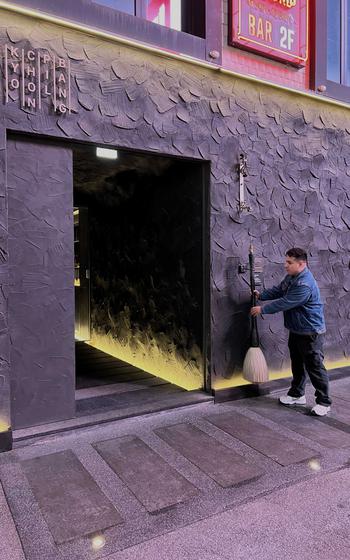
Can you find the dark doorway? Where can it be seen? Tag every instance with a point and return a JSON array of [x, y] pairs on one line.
[[144, 238]]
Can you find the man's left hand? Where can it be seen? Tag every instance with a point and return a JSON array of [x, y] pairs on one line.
[[255, 311]]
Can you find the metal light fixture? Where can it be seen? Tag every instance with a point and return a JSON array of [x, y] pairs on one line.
[[242, 170]]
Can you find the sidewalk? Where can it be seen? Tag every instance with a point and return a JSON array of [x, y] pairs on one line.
[[11, 548], [308, 521], [234, 480]]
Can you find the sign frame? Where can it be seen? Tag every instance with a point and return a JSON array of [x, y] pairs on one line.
[[237, 37]]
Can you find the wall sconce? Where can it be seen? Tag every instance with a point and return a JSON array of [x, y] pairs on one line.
[[242, 171]]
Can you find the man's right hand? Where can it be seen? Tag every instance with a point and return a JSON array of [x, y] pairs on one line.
[[257, 294], [255, 311]]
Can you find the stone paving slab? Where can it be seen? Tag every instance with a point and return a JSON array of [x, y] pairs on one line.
[[149, 477], [281, 449], [304, 424], [339, 416], [273, 527], [340, 410], [36, 538], [341, 390], [224, 465], [10, 547], [69, 498]]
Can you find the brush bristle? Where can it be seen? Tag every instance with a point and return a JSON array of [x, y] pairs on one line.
[[255, 366]]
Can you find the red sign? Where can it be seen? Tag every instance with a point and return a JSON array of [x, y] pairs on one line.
[[274, 28], [159, 12]]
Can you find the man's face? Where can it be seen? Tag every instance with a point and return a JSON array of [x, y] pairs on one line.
[[293, 266]]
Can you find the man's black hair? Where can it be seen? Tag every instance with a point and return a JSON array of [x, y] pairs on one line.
[[297, 253]]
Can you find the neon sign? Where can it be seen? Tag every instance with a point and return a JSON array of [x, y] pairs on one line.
[[286, 3], [274, 28]]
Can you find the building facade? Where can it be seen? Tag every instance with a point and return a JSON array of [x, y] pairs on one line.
[[180, 99]]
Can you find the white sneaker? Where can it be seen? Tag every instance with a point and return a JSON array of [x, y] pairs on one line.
[[290, 401], [320, 410]]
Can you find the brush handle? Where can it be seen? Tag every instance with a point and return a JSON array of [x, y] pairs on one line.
[[254, 335], [252, 269]]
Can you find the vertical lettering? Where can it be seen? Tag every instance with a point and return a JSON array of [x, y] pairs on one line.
[[14, 83], [14, 52], [34, 74], [62, 92], [30, 71], [30, 102], [61, 78]]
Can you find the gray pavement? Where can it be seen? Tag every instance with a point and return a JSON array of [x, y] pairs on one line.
[[308, 521], [11, 547], [237, 480]]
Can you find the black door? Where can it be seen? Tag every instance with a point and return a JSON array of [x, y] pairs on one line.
[[41, 294]]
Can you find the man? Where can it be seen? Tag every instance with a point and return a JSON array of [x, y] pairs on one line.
[[298, 296]]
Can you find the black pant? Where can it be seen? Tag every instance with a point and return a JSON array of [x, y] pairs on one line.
[[306, 354]]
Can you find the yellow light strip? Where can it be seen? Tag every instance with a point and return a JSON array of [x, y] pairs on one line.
[[149, 357], [168, 54], [4, 425], [238, 380]]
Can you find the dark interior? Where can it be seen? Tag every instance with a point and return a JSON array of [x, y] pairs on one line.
[[145, 243]]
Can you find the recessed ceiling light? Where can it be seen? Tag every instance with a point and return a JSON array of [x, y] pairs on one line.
[[106, 153]]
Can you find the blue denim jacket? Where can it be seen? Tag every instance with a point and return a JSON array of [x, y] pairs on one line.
[[299, 299]]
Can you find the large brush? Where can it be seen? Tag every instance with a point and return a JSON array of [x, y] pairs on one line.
[[254, 365]]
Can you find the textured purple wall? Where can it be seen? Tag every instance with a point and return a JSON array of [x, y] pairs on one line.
[[41, 293], [298, 154]]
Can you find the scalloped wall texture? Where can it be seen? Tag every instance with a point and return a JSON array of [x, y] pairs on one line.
[[298, 153]]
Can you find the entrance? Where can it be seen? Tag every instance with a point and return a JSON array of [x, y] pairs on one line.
[[139, 271], [132, 230]]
